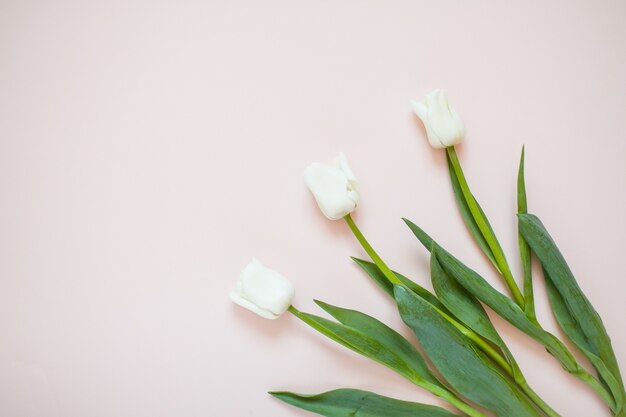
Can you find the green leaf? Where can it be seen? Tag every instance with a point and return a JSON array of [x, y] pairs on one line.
[[356, 403], [524, 249], [469, 310], [385, 336], [507, 309], [479, 324], [459, 360], [375, 341], [573, 330], [462, 303], [577, 316], [498, 302], [378, 342], [363, 344], [377, 275]]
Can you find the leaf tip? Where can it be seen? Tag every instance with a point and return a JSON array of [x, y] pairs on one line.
[[320, 303], [358, 261], [409, 223]]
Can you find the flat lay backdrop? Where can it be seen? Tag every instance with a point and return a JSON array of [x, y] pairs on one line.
[[149, 149]]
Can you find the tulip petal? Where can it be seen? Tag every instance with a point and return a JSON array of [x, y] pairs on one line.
[[443, 125], [263, 291], [334, 187], [420, 109], [342, 162], [237, 299]]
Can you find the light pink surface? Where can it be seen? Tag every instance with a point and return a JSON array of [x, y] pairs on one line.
[[149, 149]]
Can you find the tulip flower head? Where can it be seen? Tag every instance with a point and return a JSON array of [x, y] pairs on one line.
[[443, 125], [263, 291], [333, 186]]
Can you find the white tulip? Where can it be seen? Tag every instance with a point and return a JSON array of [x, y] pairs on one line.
[[333, 186], [443, 125], [263, 291]]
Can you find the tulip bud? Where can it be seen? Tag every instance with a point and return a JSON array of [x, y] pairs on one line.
[[333, 186], [443, 125], [263, 291]]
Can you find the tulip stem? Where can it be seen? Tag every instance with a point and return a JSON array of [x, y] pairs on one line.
[[371, 252], [485, 228], [466, 331], [455, 401], [496, 356], [598, 388], [539, 402]]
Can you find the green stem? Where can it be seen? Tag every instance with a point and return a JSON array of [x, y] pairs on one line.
[[371, 252], [518, 377], [549, 411], [485, 229], [597, 387], [455, 401], [484, 346], [492, 353], [569, 363]]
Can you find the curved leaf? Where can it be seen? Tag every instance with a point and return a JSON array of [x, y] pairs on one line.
[[573, 330], [460, 362], [498, 302], [386, 336], [365, 345], [524, 249], [357, 403], [380, 343], [462, 303], [588, 333]]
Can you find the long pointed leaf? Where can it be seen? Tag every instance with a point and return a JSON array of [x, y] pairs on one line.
[[510, 311], [460, 362], [463, 304], [524, 249], [573, 330], [505, 307], [469, 310], [465, 328], [363, 344], [385, 335], [376, 341], [357, 403], [588, 322]]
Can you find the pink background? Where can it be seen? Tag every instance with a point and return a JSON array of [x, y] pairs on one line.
[[149, 149]]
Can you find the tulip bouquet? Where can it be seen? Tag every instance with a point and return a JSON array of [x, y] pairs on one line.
[[474, 371]]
